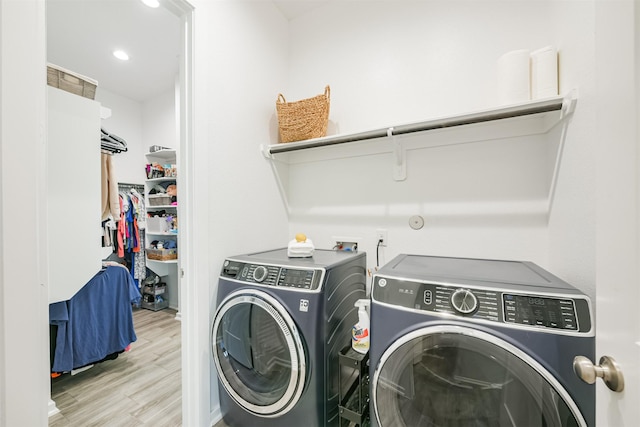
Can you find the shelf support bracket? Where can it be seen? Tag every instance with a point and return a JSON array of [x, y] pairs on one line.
[[569, 103], [399, 157], [264, 149]]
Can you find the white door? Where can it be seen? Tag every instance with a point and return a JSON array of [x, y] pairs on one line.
[[617, 219]]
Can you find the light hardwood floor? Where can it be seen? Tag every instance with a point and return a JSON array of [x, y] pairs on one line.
[[142, 387]]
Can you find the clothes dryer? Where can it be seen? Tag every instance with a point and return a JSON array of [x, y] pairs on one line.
[[476, 342], [278, 330]]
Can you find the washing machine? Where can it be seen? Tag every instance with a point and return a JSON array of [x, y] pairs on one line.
[[477, 342], [277, 333]]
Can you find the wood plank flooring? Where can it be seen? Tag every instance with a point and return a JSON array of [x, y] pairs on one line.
[[142, 387]]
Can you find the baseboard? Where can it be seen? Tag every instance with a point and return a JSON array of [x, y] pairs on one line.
[[53, 409], [216, 416]]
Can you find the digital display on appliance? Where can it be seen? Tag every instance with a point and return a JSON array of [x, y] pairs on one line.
[[540, 311], [296, 278]]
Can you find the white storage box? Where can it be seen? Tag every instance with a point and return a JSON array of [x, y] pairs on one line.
[[158, 224]]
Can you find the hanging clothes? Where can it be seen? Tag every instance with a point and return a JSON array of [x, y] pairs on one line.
[[130, 240], [121, 230], [110, 205]]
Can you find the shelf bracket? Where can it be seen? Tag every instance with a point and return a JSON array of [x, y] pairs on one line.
[[569, 103], [399, 157], [264, 149]]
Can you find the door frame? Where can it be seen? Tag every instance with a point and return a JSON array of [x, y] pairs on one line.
[[193, 275]]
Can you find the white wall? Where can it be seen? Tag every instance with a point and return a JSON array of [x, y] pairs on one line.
[[24, 370], [159, 121], [240, 67], [125, 122], [399, 62], [572, 248]]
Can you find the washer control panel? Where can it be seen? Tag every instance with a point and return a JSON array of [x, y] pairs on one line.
[[271, 275], [494, 305], [540, 311]]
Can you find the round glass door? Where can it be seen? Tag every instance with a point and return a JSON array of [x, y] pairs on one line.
[[457, 376], [258, 353]]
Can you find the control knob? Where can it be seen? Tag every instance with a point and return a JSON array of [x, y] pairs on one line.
[[464, 301], [260, 273]]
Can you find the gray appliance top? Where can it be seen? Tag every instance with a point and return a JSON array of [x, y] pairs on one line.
[[322, 258], [522, 275]]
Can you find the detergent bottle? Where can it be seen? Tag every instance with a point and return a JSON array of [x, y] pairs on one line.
[[360, 331]]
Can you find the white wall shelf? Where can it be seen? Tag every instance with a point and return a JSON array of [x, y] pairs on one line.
[[151, 207], [163, 179], [166, 154], [168, 268], [528, 118], [516, 121], [152, 233]]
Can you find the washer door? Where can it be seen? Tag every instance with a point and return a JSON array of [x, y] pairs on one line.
[[458, 376], [258, 353]]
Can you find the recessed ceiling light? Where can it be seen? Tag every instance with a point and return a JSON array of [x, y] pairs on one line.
[[151, 3], [121, 54]]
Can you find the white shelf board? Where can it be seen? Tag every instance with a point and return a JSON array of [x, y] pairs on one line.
[[528, 118], [171, 261], [161, 179], [162, 268], [512, 121], [151, 207], [163, 154], [160, 233]]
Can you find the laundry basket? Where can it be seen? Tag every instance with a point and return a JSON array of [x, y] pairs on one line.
[[71, 82], [304, 119]]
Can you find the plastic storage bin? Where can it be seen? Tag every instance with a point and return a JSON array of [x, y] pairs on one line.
[[153, 297], [158, 224], [159, 199]]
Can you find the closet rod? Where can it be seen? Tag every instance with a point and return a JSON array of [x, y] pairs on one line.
[[124, 185]]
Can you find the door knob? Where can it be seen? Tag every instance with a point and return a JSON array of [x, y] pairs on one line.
[[608, 370]]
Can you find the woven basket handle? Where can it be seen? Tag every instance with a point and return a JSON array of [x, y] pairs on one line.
[[327, 92], [281, 98]]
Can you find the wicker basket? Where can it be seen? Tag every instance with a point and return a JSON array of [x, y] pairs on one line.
[[304, 119], [71, 82]]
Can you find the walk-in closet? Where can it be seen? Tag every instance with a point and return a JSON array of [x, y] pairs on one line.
[[113, 223]]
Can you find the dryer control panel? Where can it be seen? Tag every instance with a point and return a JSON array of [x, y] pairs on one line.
[[487, 304], [272, 275]]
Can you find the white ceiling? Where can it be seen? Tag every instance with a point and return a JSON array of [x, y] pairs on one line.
[[82, 34]]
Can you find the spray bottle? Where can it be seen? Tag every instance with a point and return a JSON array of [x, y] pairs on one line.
[[360, 331]]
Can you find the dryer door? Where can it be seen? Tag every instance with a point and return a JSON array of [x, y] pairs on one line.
[[458, 376], [258, 353]]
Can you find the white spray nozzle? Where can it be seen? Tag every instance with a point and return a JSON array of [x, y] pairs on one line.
[[364, 303]]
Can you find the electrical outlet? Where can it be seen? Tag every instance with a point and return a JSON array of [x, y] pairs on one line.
[[381, 234]]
